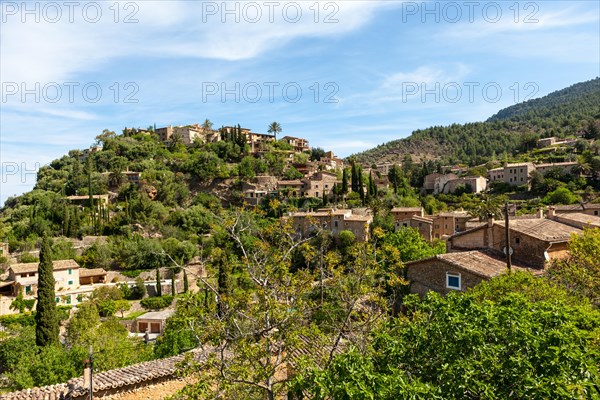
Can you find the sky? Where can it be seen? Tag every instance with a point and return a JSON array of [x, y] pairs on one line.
[[346, 75]]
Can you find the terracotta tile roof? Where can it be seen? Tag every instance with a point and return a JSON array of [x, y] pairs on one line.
[[406, 209], [543, 229], [421, 219], [483, 263], [294, 182], [103, 381], [364, 218], [573, 207], [584, 219], [33, 267], [158, 315], [87, 272], [456, 214]]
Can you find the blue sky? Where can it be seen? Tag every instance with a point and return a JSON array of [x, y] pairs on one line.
[[381, 68]]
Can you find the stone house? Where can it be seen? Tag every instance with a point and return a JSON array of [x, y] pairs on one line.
[[300, 145], [445, 273], [518, 174], [25, 276], [293, 187], [496, 174], [423, 224], [331, 162], [435, 183], [448, 223], [403, 213], [92, 276], [584, 208], [577, 220], [258, 141], [477, 184], [534, 242], [565, 167], [153, 322], [333, 221], [319, 184]]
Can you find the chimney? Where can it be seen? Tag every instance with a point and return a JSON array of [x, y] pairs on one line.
[[551, 212], [490, 221], [541, 213]]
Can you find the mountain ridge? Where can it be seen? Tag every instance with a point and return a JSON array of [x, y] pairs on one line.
[[561, 113]]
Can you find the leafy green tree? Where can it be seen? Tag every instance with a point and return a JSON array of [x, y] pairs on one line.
[[122, 306], [481, 345], [580, 272], [412, 245], [562, 195], [46, 318], [316, 153]]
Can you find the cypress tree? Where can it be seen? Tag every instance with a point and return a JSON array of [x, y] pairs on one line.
[[173, 290], [345, 181], [354, 179], [46, 317], [220, 258], [186, 285], [158, 284], [361, 185]]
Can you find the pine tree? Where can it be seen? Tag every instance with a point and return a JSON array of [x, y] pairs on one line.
[[158, 283], [46, 317]]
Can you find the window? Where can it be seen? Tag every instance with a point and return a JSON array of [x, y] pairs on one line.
[[58, 299], [452, 281], [27, 289], [596, 212], [335, 223], [70, 282], [517, 240], [70, 271], [69, 300]]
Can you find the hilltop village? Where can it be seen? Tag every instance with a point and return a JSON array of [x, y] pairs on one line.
[[150, 225]]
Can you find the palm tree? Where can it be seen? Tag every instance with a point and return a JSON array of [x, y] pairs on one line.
[[274, 128], [207, 126], [490, 206]]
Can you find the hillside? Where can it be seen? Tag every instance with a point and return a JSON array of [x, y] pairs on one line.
[[515, 128]]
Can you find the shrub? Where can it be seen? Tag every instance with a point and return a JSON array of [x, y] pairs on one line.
[[157, 303]]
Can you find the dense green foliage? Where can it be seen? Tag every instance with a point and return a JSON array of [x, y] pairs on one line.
[[495, 343], [25, 365], [581, 271], [157, 303]]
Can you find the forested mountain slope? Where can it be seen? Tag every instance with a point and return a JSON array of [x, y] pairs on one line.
[[561, 113]]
